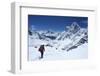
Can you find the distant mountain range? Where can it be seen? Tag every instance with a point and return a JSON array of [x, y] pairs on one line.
[[72, 37]]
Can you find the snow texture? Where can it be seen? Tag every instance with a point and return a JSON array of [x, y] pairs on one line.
[[71, 43]]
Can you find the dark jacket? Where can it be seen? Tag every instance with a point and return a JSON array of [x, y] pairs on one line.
[[41, 49]]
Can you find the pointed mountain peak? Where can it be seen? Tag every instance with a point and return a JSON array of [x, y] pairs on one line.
[[74, 27], [74, 24]]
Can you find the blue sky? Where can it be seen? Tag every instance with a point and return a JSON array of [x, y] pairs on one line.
[[55, 23]]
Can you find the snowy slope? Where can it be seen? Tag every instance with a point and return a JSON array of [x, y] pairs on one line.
[[60, 45], [52, 54]]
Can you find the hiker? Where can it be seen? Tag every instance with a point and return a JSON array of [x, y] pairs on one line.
[[41, 50]]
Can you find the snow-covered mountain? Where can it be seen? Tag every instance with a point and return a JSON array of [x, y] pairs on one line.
[[72, 37], [75, 34]]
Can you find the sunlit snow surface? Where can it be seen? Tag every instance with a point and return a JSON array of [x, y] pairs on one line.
[[51, 53], [70, 44]]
